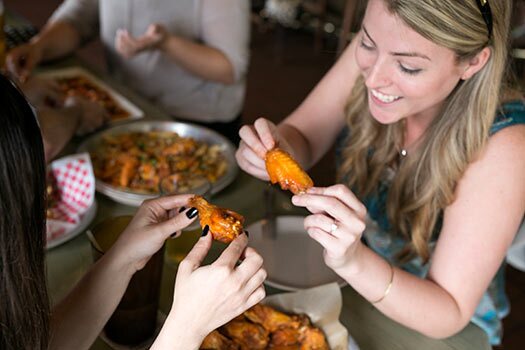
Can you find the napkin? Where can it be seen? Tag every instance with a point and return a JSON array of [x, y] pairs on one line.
[[74, 193]]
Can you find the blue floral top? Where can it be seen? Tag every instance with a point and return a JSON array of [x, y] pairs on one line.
[[494, 304]]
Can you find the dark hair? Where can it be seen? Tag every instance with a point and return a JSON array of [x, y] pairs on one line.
[[24, 310]]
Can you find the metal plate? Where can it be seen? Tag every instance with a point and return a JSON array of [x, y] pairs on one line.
[[197, 132]]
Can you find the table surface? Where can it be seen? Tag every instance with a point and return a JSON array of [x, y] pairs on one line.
[[371, 329]]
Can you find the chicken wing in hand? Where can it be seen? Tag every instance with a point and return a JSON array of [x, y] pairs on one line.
[[283, 169], [225, 225]]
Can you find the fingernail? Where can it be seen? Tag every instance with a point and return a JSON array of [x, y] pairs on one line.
[[192, 213], [247, 234], [205, 230], [182, 209], [173, 234]]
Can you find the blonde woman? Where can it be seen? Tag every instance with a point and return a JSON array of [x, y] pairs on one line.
[[432, 162]]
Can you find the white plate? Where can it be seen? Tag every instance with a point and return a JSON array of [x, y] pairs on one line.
[[78, 229], [292, 259], [134, 111]]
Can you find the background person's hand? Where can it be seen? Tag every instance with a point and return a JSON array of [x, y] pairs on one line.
[[150, 227], [337, 222], [92, 115], [128, 46], [21, 61], [206, 297], [42, 92], [256, 140]]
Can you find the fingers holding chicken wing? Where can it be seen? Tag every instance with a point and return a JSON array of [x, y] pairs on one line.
[[283, 169], [224, 224]]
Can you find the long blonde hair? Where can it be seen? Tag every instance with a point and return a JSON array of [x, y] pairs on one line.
[[425, 181]]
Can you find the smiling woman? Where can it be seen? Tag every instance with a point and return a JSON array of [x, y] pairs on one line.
[[422, 79]]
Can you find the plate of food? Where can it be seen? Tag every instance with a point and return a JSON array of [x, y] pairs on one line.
[[76, 81], [130, 160]]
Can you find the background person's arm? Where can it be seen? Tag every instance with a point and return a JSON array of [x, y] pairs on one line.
[[74, 22], [222, 54]]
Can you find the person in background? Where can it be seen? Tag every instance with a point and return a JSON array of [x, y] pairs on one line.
[[188, 56], [28, 322], [431, 162], [61, 117]]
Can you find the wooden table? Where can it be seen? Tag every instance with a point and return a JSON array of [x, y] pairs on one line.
[[371, 329]]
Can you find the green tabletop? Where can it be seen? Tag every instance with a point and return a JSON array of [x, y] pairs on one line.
[[371, 329]]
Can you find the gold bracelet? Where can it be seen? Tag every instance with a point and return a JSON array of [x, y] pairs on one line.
[[387, 290]]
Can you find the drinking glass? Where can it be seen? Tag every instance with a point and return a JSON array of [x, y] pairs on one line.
[[134, 321]]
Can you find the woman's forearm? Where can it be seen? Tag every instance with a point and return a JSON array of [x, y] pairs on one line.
[[78, 319], [203, 61], [417, 303], [57, 127], [176, 335], [57, 39]]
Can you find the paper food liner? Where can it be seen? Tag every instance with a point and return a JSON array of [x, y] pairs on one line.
[[322, 304], [74, 192]]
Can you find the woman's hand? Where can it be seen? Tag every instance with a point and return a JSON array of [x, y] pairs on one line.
[[256, 140], [91, 115], [21, 61], [153, 223], [129, 46], [42, 92], [337, 222], [206, 297]]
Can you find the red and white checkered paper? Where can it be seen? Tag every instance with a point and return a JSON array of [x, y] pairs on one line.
[[75, 183]]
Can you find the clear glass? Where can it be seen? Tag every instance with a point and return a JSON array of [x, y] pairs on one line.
[[134, 321]]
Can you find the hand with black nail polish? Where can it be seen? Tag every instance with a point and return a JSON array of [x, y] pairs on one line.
[[224, 224], [155, 221]]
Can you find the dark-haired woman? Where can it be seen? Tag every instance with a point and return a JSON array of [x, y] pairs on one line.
[[26, 320]]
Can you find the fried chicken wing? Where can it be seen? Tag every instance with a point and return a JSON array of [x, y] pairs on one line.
[[285, 337], [250, 336], [283, 169], [217, 341], [270, 318], [225, 225], [313, 339]]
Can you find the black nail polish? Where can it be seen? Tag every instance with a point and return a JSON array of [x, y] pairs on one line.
[[205, 230], [182, 209], [247, 234], [192, 213]]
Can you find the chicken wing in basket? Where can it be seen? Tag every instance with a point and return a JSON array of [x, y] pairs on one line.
[[225, 225], [283, 169], [217, 341], [263, 327]]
